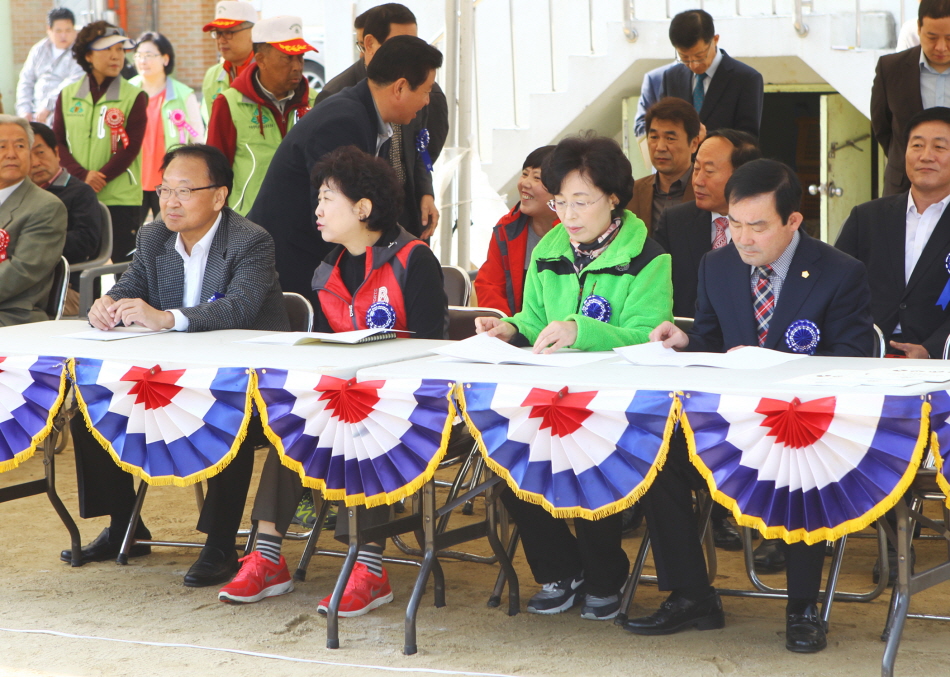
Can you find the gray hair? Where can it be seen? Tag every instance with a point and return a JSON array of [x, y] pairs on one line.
[[14, 120]]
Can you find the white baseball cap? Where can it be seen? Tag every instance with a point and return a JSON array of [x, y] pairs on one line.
[[112, 36], [230, 13], [283, 32]]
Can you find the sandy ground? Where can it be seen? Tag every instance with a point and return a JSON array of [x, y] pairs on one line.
[[110, 610]]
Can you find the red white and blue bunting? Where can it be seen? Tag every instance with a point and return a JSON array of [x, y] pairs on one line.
[[175, 426], [366, 443], [578, 454], [31, 392], [940, 439], [810, 470]]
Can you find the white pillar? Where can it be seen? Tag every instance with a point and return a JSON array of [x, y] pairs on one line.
[[466, 105], [450, 87]]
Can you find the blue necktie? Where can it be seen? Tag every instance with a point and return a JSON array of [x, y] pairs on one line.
[[699, 94]]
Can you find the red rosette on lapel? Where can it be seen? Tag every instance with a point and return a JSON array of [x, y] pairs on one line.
[[115, 118], [4, 243]]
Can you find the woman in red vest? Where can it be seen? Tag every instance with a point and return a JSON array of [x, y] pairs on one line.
[[379, 276]]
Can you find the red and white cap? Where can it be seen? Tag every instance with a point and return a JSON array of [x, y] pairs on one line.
[[230, 13], [283, 32]]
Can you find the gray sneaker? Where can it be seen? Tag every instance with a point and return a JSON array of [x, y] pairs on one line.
[[600, 608], [557, 597]]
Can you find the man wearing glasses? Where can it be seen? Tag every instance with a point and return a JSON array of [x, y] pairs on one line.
[[202, 267], [231, 31], [727, 93]]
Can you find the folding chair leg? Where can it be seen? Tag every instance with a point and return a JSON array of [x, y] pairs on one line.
[[428, 515], [123, 557], [333, 628], [495, 599], [301, 573], [251, 539], [832, 583], [630, 588], [49, 462], [501, 553]]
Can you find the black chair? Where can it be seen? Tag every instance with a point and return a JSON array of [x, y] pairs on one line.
[[462, 320], [457, 285], [57, 292], [299, 311], [105, 244]]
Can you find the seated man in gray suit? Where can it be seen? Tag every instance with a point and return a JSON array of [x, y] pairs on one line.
[[201, 267], [32, 229]]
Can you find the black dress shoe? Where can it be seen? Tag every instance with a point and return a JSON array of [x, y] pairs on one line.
[[769, 557], [805, 632], [102, 549], [680, 614], [892, 566], [725, 535], [214, 566]]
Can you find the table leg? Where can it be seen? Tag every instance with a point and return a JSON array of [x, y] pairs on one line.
[[49, 463], [428, 525], [333, 628], [123, 557]]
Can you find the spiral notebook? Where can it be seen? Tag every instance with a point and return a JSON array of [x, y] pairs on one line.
[[299, 338]]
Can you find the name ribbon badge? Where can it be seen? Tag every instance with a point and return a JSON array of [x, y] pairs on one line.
[[4, 243], [597, 308], [945, 294], [802, 336], [422, 146], [115, 118], [178, 119]]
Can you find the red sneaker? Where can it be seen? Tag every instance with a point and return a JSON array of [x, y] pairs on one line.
[[258, 578], [364, 592]]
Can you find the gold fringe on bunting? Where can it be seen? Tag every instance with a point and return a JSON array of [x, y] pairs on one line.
[[938, 463], [385, 498], [41, 436], [825, 533], [538, 499], [171, 480]]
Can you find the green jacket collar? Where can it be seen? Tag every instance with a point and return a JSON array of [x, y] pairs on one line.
[[627, 244]]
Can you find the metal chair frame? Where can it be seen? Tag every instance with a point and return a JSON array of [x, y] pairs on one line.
[[449, 272], [300, 308], [57, 292]]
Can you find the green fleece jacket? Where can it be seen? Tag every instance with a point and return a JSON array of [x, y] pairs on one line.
[[633, 274]]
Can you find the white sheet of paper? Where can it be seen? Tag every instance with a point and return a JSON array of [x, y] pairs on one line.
[[116, 334], [655, 355], [481, 348], [901, 378], [299, 338]]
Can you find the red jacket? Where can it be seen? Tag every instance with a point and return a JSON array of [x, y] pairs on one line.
[[500, 280], [221, 131]]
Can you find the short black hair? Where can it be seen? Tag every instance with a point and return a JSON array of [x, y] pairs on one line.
[[597, 158], [675, 109], [60, 14], [404, 56], [164, 47], [935, 9], [689, 28], [359, 175], [761, 177], [745, 147], [88, 35], [219, 169], [45, 133], [935, 114], [376, 21], [537, 157]]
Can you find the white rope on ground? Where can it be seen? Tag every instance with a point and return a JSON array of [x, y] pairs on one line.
[[255, 654]]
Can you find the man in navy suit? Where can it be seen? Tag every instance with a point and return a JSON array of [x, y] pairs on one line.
[[727, 93], [750, 292], [397, 86]]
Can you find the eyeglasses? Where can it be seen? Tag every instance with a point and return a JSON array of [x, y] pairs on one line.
[[560, 206], [360, 46], [146, 56], [183, 194], [687, 62], [227, 35]]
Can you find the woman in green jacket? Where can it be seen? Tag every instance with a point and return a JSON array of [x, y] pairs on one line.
[[596, 282]]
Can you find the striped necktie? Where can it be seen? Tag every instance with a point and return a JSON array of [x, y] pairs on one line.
[[395, 153], [721, 223], [764, 302], [699, 92]]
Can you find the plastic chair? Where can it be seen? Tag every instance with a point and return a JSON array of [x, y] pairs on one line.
[[105, 244], [87, 283], [57, 292], [299, 311], [462, 320], [457, 285]]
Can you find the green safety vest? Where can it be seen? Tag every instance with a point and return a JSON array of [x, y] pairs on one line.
[[253, 150], [90, 139], [216, 82], [176, 96]]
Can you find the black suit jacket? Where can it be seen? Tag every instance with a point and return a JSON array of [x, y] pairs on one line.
[[895, 99], [874, 234], [834, 295], [685, 232], [434, 117], [733, 101]]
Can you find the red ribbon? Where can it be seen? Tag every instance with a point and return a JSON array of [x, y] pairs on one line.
[[153, 387], [797, 424], [563, 412], [351, 401], [4, 243], [115, 118]]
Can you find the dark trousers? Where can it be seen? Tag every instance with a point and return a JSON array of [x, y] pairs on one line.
[[554, 553], [674, 532], [106, 489], [150, 204], [126, 220]]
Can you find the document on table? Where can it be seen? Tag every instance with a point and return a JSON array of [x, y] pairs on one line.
[[901, 377], [116, 334], [299, 338], [481, 348], [653, 354]]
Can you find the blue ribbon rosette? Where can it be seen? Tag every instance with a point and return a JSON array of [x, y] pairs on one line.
[[422, 146], [596, 307], [381, 315], [945, 294], [802, 336]]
